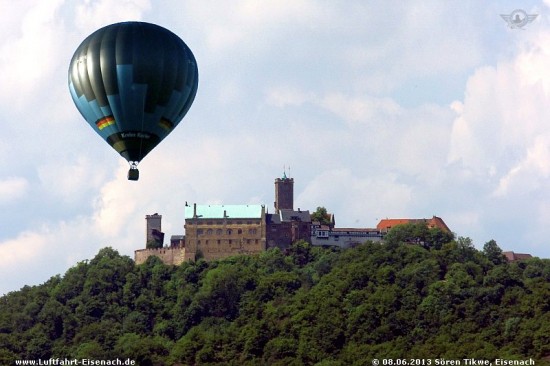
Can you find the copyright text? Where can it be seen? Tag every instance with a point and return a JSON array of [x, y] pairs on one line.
[[451, 362]]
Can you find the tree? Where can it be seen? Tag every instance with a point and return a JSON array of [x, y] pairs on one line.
[[146, 351], [279, 349], [465, 243], [91, 349], [436, 238], [38, 344], [493, 252], [221, 291], [301, 252], [321, 215], [418, 233], [7, 357], [311, 306]]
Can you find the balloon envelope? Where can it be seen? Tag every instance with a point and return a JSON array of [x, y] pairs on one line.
[[133, 82]]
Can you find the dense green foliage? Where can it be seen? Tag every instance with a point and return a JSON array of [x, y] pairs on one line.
[[308, 306], [321, 215]]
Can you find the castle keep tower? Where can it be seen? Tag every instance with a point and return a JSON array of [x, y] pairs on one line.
[[153, 227], [284, 193]]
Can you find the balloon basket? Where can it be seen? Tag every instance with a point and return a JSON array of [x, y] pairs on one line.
[[133, 173]]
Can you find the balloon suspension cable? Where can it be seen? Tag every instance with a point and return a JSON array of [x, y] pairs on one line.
[[133, 173]]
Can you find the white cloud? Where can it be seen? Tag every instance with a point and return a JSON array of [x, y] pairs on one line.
[[530, 174], [94, 14], [73, 180], [37, 254], [504, 114], [365, 110], [283, 96], [230, 25], [399, 137], [117, 202], [27, 54], [22, 250], [499, 144], [13, 188], [365, 200]]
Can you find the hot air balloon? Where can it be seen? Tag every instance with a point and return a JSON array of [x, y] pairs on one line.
[[133, 82]]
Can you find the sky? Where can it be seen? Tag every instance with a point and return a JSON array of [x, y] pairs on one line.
[[379, 109]]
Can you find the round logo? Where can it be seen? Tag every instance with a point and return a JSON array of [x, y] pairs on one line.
[[519, 18]]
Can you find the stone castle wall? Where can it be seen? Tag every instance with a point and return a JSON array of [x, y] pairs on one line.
[[170, 256]]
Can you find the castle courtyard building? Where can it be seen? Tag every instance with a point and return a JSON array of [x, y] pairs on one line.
[[219, 231]]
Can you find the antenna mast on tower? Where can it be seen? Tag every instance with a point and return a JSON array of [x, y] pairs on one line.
[[284, 171]]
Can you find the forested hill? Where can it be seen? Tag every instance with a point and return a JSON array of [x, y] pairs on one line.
[[305, 307]]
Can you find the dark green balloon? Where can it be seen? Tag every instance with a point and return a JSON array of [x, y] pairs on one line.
[[133, 82]]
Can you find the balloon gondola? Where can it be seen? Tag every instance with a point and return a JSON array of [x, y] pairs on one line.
[[133, 173], [133, 82]]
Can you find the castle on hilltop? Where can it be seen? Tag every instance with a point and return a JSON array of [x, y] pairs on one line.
[[219, 231]]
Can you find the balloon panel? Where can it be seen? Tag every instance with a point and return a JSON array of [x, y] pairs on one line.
[[133, 82]]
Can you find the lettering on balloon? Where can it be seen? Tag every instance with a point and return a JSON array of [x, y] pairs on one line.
[[141, 135]]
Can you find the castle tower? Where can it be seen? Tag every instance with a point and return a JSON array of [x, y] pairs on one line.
[[284, 193], [153, 223]]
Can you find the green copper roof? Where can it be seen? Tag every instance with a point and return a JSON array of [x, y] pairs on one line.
[[231, 211]]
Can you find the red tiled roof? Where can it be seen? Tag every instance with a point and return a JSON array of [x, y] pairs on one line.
[[439, 223], [511, 256], [386, 224]]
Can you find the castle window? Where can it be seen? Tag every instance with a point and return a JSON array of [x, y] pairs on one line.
[[199, 231], [229, 241], [209, 232], [219, 241], [249, 222], [252, 231], [219, 232], [228, 231], [240, 231]]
